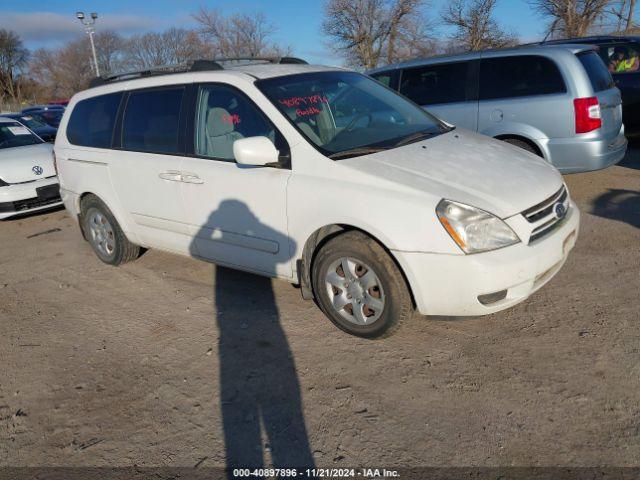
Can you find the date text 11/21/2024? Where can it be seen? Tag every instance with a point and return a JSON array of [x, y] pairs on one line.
[[316, 473]]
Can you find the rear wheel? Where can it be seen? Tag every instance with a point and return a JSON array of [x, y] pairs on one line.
[[104, 233], [516, 142], [359, 286]]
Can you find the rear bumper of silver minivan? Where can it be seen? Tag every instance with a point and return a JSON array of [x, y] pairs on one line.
[[580, 154]]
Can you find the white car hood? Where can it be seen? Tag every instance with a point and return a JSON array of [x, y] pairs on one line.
[[17, 164], [468, 168]]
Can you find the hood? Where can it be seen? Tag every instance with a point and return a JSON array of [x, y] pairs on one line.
[[17, 164], [468, 168]]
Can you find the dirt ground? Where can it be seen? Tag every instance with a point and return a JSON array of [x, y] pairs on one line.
[[165, 361]]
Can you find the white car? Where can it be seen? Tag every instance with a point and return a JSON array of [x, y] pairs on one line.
[[28, 181], [321, 177]]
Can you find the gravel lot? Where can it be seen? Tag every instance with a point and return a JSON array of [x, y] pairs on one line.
[[165, 361]]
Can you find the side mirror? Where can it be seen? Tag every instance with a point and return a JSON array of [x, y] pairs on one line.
[[256, 151]]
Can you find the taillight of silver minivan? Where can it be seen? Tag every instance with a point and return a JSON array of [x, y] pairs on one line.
[[588, 117]]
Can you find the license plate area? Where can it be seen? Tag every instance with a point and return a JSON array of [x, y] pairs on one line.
[[48, 192]]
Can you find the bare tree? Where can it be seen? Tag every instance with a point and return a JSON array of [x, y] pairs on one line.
[[571, 18], [110, 51], [475, 27], [623, 12], [239, 35], [370, 32], [173, 46], [13, 58], [65, 71]]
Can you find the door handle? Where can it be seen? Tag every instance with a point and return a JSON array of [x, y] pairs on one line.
[[171, 175], [188, 177]]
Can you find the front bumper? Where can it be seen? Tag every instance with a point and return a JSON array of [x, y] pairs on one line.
[[449, 285], [583, 154], [23, 198]]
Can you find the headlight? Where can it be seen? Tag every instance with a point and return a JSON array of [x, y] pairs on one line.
[[474, 230]]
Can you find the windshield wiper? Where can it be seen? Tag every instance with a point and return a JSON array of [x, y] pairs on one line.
[[354, 152], [414, 138]]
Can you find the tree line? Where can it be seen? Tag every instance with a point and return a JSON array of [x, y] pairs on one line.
[[363, 33]]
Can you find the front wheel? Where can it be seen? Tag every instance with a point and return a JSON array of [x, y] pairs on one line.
[[359, 286]]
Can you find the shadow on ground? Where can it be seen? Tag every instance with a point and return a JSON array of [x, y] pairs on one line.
[[632, 158], [262, 412], [618, 204]]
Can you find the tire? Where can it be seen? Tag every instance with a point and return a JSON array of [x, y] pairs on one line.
[[516, 142], [104, 234], [382, 298]]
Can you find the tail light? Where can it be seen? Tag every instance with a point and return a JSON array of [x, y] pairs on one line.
[[587, 114], [55, 163]]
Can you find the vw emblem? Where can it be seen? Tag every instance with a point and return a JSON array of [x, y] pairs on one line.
[[37, 170], [559, 210]]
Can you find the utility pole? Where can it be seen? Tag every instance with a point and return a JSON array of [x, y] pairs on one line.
[[88, 28]]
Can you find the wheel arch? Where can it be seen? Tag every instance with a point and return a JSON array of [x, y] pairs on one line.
[[527, 140], [318, 239], [120, 218]]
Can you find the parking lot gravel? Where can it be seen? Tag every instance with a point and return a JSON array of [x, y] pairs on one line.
[[167, 361]]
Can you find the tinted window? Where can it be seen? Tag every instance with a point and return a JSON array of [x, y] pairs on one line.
[[388, 79], [92, 120], [151, 120], [519, 76], [223, 116], [445, 83], [596, 70]]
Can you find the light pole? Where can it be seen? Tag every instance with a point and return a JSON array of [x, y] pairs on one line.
[[88, 27]]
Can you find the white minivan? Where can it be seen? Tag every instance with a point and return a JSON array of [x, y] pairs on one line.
[[319, 176]]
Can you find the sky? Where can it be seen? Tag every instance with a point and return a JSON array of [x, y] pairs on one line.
[[49, 23]]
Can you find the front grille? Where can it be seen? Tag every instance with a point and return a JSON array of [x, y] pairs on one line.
[[30, 203], [543, 214], [27, 204]]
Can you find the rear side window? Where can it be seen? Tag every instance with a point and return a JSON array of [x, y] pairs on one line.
[[388, 78], [433, 84], [596, 71], [520, 76], [92, 120], [151, 120], [621, 58]]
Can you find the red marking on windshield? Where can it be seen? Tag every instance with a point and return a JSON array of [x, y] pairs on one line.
[[307, 111], [303, 101]]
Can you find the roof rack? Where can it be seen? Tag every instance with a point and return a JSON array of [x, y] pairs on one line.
[[193, 66]]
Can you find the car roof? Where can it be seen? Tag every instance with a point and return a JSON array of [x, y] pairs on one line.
[[251, 72], [593, 38], [270, 70], [496, 52]]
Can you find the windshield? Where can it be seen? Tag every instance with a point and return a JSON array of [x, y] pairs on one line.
[[15, 135], [345, 114]]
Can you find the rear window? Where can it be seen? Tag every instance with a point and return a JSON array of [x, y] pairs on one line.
[[151, 120], [519, 76], [92, 120], [433, 84], [596, 71]]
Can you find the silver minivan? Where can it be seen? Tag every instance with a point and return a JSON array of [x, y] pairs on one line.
[[557, 101]]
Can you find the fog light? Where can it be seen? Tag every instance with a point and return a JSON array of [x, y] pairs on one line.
[[494, 297]]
